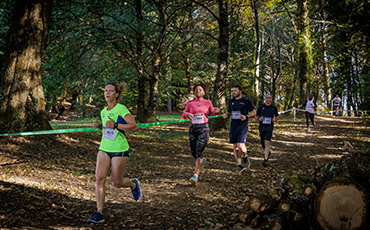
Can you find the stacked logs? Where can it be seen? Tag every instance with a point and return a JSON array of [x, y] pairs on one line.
[[333, 196]]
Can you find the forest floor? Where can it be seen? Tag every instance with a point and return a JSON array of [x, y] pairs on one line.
[[48, 182]]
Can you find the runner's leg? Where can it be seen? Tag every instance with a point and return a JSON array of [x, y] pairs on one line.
[[312, 116], [118, 170], [267, 149], [307, 119], [243, 150], [237, 153], [193, 138], [102, 168], [202, 141]]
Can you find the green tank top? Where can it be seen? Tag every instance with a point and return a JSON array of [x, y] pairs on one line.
[[114, 140]]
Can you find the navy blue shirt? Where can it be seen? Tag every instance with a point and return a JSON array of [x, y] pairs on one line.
[[243, 105], [267, 112]]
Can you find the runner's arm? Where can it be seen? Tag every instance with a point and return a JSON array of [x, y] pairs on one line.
[[97, 125], [131, 124], [186, 111]]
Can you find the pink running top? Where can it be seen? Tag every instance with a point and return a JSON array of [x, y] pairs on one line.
[[199, 106]]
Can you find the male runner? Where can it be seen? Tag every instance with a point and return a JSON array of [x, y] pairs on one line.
[[267, 115], [239, 107]]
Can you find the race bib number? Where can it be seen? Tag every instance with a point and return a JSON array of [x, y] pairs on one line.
[[109, 133], [267, 120], [198, 119], [235, 114]]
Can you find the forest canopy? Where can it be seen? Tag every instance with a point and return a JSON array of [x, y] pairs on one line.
[[160, 48]]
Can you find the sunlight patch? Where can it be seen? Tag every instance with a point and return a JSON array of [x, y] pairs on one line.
[[328, 156], [291, 143]]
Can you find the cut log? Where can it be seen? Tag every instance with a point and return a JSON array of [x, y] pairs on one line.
[[275, 194], [261, 203], [284, 206], [247, 217], [296, 216], [257, 221], [341, 205], [278, 224], [309, 190], [296, 182]]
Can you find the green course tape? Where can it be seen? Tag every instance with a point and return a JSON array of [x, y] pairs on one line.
[[78, 130]]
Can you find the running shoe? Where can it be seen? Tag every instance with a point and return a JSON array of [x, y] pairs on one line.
[[239, 169], [136, 192], [96, 218], [194, 179], [204, 161], [246, 161], [308, 129], [264, 163]]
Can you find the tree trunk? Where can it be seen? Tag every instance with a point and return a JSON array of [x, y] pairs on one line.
[[157, 63], [258, 49], [325, 66], [304, 49], [223, 46], [22, 96], [142, 113]]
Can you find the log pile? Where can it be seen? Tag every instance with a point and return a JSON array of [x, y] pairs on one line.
[[333, 196]]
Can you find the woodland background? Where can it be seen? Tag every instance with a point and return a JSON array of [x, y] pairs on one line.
[[65, 50]]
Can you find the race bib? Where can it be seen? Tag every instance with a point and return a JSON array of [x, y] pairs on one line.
[[235, 114], [109, 133], [267, 120], [198, 119]]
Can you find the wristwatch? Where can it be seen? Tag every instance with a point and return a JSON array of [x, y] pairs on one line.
[[115, 125]]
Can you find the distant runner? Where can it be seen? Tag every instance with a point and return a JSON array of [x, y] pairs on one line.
[[310, 104], [197, 111], [238, 108], [336, 102], [267, 115], [61, 111], [114, 149]]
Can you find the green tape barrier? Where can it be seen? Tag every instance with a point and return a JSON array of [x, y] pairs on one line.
[[78, 130]]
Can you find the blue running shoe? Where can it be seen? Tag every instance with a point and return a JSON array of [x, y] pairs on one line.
[[239, 169], [246, 161], [204, 161], [136, 192], [194, 180], [96, 218]]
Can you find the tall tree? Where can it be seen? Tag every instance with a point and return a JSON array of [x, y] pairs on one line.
[[223, 54], [258, 49], [22, 98], [304, 49]]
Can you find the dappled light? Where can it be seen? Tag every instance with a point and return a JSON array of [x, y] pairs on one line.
[[64, 166]]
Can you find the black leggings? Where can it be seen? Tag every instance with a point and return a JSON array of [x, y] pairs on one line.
[[310, 116], [198, 136]]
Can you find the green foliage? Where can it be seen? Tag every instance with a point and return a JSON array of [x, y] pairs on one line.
[[92, 42]]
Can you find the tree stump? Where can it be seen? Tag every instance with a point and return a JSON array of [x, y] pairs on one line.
[[340, 205]]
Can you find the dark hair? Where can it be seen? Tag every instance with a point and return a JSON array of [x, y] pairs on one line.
[[204, 86], [238, 86], [118, 88]]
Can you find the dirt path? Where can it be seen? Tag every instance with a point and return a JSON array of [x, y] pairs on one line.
[[49, 182]]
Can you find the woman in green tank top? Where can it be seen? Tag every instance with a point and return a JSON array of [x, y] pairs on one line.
[[113, 149]]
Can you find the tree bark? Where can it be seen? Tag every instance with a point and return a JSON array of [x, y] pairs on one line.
[[304, 49], [223, 54], [325, 66], [142, 113], [22, 96], [258, 49]]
